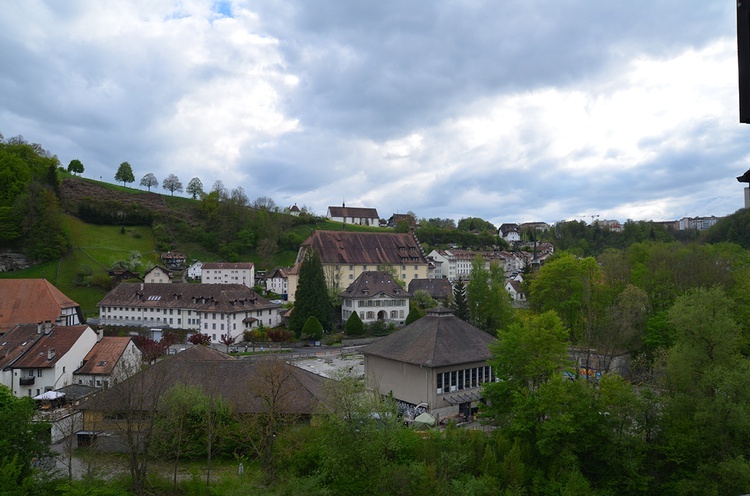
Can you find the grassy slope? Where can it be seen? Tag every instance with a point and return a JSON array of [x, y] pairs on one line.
[[97, 247]]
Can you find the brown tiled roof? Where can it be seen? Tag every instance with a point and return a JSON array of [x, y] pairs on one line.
[[103, 357], [233, 380], [361, 212], [60, 339], [227, 298], [437, 288], [17, 341], [373, 283], [339, 247], [436, 340], [26, 301], [227, 265]]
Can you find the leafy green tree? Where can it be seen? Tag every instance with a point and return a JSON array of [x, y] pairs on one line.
[[354, 325], [460, 304], [423, 300], [75, 166], [705, 434], [574, 289], [21, 439], [172, 183], [195, 188], [149, 181], [312, 330], [311, 298], [489, 302], [125, 173]]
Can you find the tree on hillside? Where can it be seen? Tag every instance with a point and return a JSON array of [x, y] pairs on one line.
[[172, 184], [125, 173], [149, 181], [311, 298], [194, 188], [460, 305], [75, 166]]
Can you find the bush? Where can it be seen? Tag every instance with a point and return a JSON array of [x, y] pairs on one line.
[[254, 335], [279, 335], [332, 339], [102, 281], [312, 330], [354, 325], [377, 328], [200, 338]]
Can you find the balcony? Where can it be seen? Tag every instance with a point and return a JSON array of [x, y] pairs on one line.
[[26, 381]]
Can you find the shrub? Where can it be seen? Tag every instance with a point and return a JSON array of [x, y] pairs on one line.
[[377, 328], [332, 339], [354, 325], [200, 338], [279, 335], [254, 335], [312, 330]]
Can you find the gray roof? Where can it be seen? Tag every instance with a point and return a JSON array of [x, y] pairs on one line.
[[235, 381], [372, 283], [227, 298], [436, 340], [437, 288]]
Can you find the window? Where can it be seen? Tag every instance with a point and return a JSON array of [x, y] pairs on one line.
[[39, 372]]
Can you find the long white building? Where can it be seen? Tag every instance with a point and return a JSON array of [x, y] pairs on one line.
[[214, 309]]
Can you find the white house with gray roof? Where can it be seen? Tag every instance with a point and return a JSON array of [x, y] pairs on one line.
[[375, 295], [214, 309]]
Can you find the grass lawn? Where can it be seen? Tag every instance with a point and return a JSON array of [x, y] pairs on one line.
[[95, 248]]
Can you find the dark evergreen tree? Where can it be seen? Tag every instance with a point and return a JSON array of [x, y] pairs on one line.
[[312, 331], [311, 298], [460, 304], [414, 314], [354, 325]]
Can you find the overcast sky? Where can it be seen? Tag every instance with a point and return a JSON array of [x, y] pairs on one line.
[[511, 111]]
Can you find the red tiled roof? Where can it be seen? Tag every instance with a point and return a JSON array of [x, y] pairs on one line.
[[340, 247], [103, 357], [18, 340], [60, 338], [26, 301]]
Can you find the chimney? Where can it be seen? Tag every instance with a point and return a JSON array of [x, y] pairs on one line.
[[47, 327], [50, 353], [39, 327], [99, 333]]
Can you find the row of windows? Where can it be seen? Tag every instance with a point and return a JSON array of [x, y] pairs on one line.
[[457, 380], [189, 312], [381, 303]]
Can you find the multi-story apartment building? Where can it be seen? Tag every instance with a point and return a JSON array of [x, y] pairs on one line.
[[228, 273], [218, 310]]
